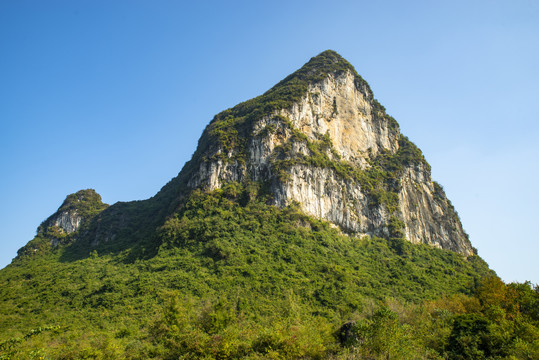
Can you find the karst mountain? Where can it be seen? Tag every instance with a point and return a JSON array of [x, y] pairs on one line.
[[319, 140]]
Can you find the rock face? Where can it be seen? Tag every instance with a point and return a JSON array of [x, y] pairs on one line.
[[336, 153], [68, 221], [76, 207]]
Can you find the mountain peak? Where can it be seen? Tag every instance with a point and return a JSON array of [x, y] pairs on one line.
[[327, 62], [318, 68], [76, 212], [77, 209], [294, 87], [83, 201]]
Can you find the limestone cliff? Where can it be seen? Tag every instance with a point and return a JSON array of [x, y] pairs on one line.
[[332, 149]]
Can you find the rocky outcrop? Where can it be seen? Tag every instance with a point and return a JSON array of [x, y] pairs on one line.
[[77, 207], [77, 210], [68, 221], [428, 214], [337, 107]]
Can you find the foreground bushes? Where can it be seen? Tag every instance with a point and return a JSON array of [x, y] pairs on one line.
[[498, 322]]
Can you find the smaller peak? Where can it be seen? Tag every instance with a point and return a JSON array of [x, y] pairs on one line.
[[85, 202], [76, 211], [81, 196]]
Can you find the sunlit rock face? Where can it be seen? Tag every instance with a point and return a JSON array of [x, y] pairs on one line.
[[68, 221]]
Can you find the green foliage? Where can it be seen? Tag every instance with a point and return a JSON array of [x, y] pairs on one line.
[[87, 203], [469, 337], [195, 329], [455, 328], [407, 154], [410, 154], [384, 336], [8, 347], [379, 112], [233, 277], [396, 228]]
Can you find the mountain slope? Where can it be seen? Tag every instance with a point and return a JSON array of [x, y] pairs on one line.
[[226, 265], [238, 278]]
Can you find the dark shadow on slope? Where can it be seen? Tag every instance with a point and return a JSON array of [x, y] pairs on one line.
[[130, 228], [125, 227]]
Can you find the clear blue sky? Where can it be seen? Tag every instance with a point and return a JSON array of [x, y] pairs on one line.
[[113, 95]]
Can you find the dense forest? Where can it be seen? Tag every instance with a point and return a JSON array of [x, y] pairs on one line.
[[233, 277]]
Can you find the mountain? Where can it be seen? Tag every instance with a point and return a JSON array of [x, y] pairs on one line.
[[318, 139], [304, 226]]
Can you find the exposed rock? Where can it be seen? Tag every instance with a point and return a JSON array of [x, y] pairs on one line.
[[68, 221], [82, 205], [337, 107], [76, 211]]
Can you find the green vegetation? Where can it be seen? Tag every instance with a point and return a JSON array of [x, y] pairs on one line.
[[379, 111], [234, 277], [494, 323], [408, 154], [86, 202]]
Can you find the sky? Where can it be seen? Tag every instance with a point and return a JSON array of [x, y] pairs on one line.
[[113, 96]]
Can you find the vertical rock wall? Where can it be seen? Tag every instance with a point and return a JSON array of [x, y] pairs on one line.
[[338, 108]]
